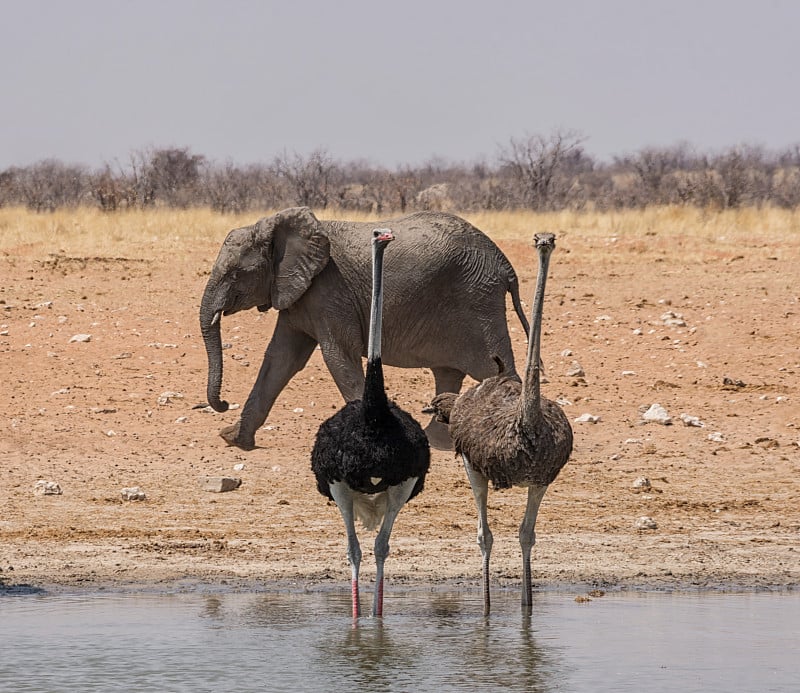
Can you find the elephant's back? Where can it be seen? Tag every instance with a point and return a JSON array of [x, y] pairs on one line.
[[432, 251]]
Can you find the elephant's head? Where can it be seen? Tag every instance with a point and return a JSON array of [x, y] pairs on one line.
[[268, 265]]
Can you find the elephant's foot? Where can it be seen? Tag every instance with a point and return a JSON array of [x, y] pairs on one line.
[[232, 436], [438, 435]]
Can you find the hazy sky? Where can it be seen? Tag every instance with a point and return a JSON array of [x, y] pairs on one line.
[[401, 82]]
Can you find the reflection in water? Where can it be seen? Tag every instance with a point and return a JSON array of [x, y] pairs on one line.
[[309, 642]]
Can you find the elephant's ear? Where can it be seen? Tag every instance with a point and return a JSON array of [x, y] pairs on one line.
[[300, 251]]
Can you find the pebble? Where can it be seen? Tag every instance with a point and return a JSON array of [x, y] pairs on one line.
[[691, 420], [657, 414], [587, 418], [575, 371], [646, 522], [641, 484], [219, 484], [133, 493], [80, 338], [46, 488]]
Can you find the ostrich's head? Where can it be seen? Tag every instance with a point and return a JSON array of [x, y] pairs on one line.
[[545, 240], [441, 406], [382, 236]]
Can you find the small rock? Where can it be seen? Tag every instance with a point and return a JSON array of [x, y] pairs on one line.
[[238, 467], [298, 410], [587, 418], [80, 338], [133, 493], [219, 484], [657, 414], [575, 371], [716, 437], [628, 372], [641, 484], [167, 397], [46, 488], [181, 419], [691, 420], [645, 522], [566, 353]]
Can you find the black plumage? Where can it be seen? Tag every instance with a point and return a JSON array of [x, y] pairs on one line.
[[507, 433], [371, 457]]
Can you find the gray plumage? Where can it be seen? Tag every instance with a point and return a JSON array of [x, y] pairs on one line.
[[507, 433]]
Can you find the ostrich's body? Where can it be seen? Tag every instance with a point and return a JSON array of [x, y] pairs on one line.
[[507, 433], [371, 457]]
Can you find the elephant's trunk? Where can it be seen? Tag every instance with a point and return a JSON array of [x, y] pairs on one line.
[[209, 327]]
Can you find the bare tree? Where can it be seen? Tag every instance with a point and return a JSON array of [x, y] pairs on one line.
[[536, 165], [311, 179]]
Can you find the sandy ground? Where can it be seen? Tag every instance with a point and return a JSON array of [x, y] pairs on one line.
[[93, 417]]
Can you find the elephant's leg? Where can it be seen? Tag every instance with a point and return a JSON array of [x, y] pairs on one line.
[[287, 353], [447, 380], [345, 367]]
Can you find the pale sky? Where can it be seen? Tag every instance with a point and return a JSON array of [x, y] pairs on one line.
[[393, 83]]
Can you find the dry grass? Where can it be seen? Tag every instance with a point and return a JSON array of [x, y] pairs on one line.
[[86, 231]]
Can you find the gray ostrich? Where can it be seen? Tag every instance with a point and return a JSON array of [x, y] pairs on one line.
[[507, 433], [371, 457]]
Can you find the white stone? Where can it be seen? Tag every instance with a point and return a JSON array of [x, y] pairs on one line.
[[133, 493], [657, 414], [587, 418], [181, 419], [81, 338], [298, 410], [716, 437], [167, 397], [46, 488], [238, 467], [642, 484], [692, 420], [645, 522], [628, 372]]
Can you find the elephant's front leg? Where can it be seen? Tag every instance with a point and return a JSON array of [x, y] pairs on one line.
[[287, 353], [345, 366]]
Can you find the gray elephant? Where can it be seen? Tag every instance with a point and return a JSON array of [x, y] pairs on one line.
[[444, 304]]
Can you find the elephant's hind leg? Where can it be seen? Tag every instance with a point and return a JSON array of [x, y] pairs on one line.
[[447, 380]]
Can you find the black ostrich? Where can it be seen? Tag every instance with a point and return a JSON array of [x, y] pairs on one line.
[[371, 457], [507, 433]]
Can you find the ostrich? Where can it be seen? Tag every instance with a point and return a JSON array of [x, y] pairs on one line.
[[371, 457], [507, 433]]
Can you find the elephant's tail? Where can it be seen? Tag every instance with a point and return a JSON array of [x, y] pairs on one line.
[[513, 289]]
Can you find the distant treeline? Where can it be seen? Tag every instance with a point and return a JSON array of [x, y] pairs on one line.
[[536, 172]]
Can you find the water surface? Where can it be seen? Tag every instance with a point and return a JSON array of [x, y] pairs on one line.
[[427, 641]]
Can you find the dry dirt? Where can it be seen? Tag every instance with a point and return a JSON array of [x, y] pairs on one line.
[[93, 417]]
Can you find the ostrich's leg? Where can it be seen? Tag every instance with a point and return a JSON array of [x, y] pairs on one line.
[[343, 495], [397, 497], [527, 538], [480, 490]]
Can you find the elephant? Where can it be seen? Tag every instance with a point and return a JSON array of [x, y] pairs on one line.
[[444, 304]]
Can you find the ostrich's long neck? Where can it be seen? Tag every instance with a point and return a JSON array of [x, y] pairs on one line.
[[375, 399], [529, 407]]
